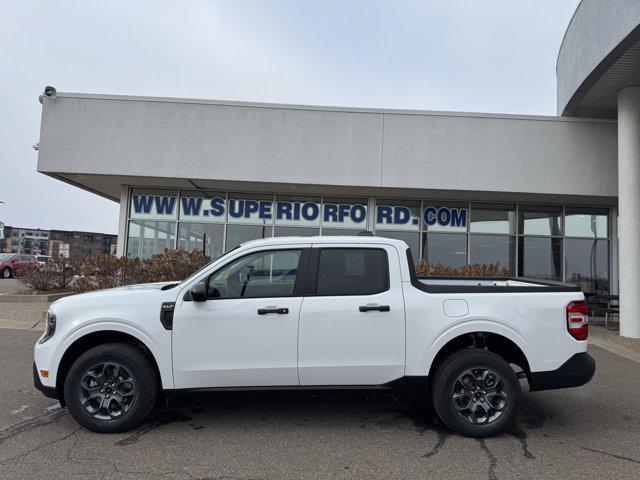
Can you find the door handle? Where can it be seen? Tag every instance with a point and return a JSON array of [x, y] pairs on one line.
[[379, 308], [280, 311]]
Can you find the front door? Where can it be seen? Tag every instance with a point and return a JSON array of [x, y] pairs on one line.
[[246, 333], [352, 326]]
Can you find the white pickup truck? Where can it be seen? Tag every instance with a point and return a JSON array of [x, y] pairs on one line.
[[315, 313]]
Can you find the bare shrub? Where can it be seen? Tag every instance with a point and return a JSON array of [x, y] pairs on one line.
[[171, 265], [99, 271], [54, 274], [62, 270], [36, 278], [493, 270]]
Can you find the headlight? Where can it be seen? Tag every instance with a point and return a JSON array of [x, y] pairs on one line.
[[50, 327]]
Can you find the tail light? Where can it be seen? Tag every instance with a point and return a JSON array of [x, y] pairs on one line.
[[578, 319]]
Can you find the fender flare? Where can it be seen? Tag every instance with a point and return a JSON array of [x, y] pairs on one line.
[[102, 325], [473, 326]]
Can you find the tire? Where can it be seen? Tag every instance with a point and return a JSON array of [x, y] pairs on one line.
[[7, 273], [111, 388], [466, 383]]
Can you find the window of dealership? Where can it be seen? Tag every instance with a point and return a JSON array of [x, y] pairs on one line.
[[556, 242]]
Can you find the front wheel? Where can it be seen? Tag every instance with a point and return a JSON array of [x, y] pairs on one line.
[[111, 388], [6, 272], [476, 393]]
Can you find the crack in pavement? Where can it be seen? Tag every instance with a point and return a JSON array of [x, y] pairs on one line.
[[161, 418], [44, 445], [73, 445], [521, 436], [442, 438], [533, 417], [619, 457], [134, 437], [51, 416], [424, 421], [493, 461]]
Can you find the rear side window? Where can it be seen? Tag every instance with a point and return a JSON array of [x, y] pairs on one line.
[[352, 271]]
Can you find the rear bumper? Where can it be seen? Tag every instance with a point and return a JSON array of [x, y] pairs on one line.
[[575, 372], [50, 392]]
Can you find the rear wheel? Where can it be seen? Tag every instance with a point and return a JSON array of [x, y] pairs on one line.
[[476, 393], [111, 388], [6, 272]]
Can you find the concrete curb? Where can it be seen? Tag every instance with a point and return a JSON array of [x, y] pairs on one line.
[[21, 325], [46, 298], [618, 350]]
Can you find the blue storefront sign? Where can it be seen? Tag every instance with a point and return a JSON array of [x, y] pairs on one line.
[[219, 209], [445, 217]]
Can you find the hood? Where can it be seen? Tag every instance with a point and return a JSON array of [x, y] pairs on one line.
[[113, 293], [138, 287]]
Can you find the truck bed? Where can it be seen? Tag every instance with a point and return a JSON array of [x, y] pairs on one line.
[[483, 284]]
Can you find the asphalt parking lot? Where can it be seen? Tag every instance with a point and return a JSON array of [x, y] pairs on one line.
[[591, 432]]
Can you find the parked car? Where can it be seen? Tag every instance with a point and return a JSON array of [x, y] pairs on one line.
[[11, 263], [315, 313], [43, 259]]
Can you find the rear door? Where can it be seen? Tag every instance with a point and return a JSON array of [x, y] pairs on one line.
[[352, 325]]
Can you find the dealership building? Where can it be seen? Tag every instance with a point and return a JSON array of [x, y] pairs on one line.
[[551, 197]]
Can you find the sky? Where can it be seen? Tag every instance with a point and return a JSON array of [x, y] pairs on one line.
[[461, 55]]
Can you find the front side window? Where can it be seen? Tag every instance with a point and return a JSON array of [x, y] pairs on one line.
[[257, 275], [352, 271]]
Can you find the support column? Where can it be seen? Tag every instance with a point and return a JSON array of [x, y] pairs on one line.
[[629, 210], [122, 221]]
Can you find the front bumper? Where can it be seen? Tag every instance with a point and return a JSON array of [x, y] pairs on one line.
[[50, 392], [576, 371]]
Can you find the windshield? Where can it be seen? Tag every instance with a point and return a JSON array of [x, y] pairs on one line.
[[195, 274], [6, 256]]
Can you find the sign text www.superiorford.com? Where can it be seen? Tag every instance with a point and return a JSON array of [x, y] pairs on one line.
[[218, 209]]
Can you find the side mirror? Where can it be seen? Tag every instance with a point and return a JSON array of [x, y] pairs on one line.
[[199, 292]]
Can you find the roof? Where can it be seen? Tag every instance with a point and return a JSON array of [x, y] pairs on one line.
[[599, 56], [255, 148], [377, 240], [318, 108]]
